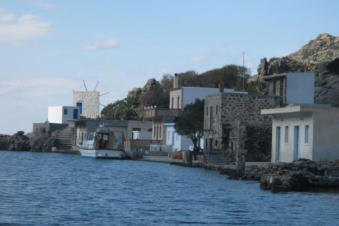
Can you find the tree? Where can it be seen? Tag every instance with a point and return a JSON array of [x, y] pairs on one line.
[[190, 122], [125, 109]]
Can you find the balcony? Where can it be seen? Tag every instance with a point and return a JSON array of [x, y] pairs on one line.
[[154, 112]]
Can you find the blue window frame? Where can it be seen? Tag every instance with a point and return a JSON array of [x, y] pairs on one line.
[[65, 111]]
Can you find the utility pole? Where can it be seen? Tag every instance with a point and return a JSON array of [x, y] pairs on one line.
[[243, 76]]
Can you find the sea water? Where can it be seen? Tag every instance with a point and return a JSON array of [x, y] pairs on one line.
[[45, 189]]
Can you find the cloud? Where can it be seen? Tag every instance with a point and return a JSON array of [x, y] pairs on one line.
[[97, 45], [42, 4], [196, 59], [16, 29]]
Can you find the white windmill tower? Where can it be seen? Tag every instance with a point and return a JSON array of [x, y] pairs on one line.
[[88, 101]]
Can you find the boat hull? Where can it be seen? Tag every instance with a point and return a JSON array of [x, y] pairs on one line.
[[102, 153]]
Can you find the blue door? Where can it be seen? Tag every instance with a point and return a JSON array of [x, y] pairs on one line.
[[79, 105], [296, 142], [75, 114], [277, 144]]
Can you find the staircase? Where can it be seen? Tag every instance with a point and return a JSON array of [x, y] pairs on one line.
[[65, 138]]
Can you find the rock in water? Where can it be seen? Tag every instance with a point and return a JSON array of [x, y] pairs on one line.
[[4, 142], [19, 142]]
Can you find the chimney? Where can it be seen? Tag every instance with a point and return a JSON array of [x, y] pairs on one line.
[[176, 81], [221, 88]]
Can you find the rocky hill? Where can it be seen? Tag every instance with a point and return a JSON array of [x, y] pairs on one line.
[[324, 48], [320, 55]]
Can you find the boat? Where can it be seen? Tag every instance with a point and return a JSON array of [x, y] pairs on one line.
[[103, 144]]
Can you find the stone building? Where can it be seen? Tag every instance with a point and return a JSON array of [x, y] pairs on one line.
[[88, 103], [222, 110]]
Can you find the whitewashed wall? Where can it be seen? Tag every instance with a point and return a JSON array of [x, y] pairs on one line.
[[326, 134], [90, 102], [287, 148], [56, 114], [300, 88]]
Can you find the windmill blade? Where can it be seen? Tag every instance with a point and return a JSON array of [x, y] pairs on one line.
[[96, 85], [85, 85], [105, 93]]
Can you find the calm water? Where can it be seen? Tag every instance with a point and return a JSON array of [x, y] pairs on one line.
[[40, 189]]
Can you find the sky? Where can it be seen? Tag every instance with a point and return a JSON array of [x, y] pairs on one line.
[[47, 48]]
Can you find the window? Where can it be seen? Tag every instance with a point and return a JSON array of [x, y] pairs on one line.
[[159, 132], [172, 104], [178, 102], [216, 109], [286, 134], [306, 133], [211, 117], [206, 110], [75, 114], [65, 111]]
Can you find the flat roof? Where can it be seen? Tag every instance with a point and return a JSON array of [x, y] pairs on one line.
[[298, 108], [282, 75]]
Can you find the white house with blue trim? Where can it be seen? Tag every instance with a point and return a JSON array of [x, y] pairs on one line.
[[304, 131], [63, 114], [177, 141]]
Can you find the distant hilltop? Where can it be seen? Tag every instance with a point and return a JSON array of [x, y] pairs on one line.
[[320, 55], [322, 50]]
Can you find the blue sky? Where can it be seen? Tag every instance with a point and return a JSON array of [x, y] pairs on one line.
[[48, 47]]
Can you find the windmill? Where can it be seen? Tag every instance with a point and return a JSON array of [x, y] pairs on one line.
[[88, 101]]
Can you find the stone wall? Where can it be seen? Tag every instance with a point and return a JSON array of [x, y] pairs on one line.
[[258, 143], [223, 109], [90, 103]]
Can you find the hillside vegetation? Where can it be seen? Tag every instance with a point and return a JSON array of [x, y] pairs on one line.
[[156, 93]]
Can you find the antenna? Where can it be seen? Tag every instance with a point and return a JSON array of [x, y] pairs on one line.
[[243, 76], [96, 85], [85, 85]]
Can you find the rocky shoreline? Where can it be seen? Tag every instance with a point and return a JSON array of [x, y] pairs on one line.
[[300, 175], [38, 143]]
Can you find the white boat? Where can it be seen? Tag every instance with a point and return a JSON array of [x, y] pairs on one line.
[[103, 144]]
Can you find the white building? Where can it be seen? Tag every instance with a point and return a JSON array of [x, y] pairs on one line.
[[177, 141], [179, 98], [62, 114], [88, 103], [304, 131], [294, 88]]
